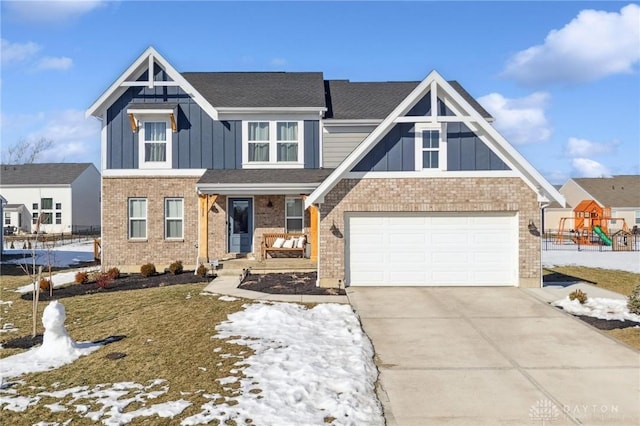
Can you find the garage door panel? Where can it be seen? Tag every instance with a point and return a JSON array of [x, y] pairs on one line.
[[423, 249]]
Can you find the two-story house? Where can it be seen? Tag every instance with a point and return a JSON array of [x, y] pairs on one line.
[[388, 189], [64, 197]]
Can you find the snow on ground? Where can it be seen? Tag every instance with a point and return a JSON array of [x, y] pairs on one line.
[[620, 260], [59, 279], [598, 307], [61, 256], [57, 348], [308, 365]]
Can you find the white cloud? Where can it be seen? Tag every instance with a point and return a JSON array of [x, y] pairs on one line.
[[520, 120], [17, 52], [593, 45], [585, 167], [61, 63], [278, 62], [53, 10], [75, 138], [584, 148]]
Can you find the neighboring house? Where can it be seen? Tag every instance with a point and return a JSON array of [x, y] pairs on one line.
[[390, 191], [619, 193], [17, 218], [67, 195]]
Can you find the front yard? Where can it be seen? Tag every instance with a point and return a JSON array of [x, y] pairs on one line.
[[191, 358]]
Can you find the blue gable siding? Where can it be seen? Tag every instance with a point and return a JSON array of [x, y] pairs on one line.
[[423, 107], [465, 151], [200, 141], [311, 144], [395, 152]]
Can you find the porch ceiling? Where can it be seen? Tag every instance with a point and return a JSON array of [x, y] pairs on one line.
[[261, 181]]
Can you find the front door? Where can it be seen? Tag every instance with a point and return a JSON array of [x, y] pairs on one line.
[[240, 225]]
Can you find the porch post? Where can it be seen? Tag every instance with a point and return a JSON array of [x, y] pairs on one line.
[[205, 202], [313, 236]]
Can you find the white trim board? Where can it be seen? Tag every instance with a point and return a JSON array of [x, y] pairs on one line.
[[153, 172]]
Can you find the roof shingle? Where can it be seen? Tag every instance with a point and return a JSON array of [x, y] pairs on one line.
[[41, 173], [616, 191]]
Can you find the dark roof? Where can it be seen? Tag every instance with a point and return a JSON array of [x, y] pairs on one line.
[[375, 100], [616, 191], [259, 89], [251, 176], [41, 173]]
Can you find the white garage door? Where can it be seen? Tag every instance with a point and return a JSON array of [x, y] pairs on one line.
[[432, 250]]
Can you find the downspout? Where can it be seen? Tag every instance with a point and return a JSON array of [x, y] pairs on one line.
[[318, 247]]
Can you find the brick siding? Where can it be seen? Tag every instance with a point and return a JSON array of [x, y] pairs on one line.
[[427, 195], [128, 255]]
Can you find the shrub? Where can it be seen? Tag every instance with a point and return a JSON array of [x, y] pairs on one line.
[[201, 271], [113, 273], [578, 295], [103, 280], [176, 267], [82, 278], [634, 301], [45, 284], [148, 269]]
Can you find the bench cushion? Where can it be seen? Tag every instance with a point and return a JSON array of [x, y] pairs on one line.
[[289, 243], [278, 242]]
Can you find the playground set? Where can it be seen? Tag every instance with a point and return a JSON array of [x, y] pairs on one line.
[[591, 225]]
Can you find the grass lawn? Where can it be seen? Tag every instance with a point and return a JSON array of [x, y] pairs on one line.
[[619, 281], [168, 336]]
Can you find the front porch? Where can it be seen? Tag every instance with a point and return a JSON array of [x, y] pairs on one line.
[[278, 265]]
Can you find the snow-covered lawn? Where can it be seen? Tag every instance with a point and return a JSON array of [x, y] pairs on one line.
[[60, 256], [620, 260], [310, 366]]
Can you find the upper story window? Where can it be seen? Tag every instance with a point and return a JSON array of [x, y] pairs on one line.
[[155, 144], [46, 203], [58, 206], [431, 147], [34, 206], [272, 143]]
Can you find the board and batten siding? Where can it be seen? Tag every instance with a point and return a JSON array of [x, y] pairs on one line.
[[199, 143]]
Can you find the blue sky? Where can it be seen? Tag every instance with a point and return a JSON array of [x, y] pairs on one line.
[[561, 78]]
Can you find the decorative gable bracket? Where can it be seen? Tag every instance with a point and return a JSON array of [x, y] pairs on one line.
[[135, 111]]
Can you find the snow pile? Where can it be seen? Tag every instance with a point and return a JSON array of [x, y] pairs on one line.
[[598, 307], [57, 347], [308, 364], [60, 256], [112, 398], [619, 260], [58, 279]]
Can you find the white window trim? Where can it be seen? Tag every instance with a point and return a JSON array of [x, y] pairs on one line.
[[287, 217], [442, 150], [273, 145], [130, 218], [157, 118], [167, 218]]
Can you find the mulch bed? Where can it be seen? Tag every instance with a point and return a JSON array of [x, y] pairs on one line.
[[603, 324], [287, 283], [125, 282]]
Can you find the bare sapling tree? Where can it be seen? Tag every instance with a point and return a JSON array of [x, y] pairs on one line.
[[27, 151], [35, 275]]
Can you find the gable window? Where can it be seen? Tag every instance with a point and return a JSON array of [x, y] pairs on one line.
[[431, 153], [272, 143], [173, 218], [137, 218], [155, 144], [294, 215]]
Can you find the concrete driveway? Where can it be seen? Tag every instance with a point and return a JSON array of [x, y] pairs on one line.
[[493, 356]]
